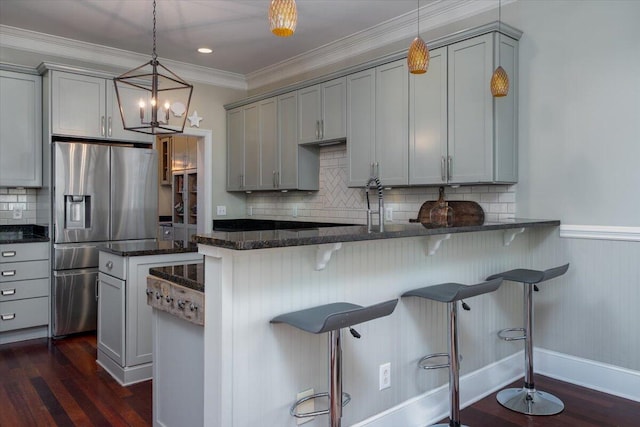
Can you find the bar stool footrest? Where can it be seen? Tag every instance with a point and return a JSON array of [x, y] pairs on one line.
[[502, 334], [422, 363], [346, 398]]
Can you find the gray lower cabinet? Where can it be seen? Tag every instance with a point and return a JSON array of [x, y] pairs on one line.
[[24, 291], [460, 133], [20, 129], [125, 343], [377, 124]]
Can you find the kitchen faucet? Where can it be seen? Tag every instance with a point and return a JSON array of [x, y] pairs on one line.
[[375, 180]]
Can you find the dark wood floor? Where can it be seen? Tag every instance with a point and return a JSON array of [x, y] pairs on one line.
[[49, 383]]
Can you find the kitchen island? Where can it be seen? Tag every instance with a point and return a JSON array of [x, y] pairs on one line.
[[253, 370], [124, 319]]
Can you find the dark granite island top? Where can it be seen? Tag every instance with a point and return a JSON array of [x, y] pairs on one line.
[[27, 233], [247, 240], [188, 275], [160, 247]]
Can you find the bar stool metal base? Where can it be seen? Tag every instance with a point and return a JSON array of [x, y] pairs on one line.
[[530, 401]]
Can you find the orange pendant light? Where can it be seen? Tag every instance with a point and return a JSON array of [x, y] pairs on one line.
[[499, 79], [418, 55], [283, 17]]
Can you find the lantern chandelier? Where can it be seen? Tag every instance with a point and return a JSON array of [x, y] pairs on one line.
[[418, 55], [283, 17], [499, 79], [147, 94]]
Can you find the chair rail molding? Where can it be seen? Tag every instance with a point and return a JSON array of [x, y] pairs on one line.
[[600, 232]]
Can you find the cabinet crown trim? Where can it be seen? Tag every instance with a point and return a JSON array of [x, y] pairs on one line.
[[497, 27]]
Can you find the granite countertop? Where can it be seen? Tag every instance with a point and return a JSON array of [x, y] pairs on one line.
[[247, 240], [23, 233], [188, 275], [160, 247]]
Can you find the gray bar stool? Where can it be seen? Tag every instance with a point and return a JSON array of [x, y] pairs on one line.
[[451, 293], [332, 318], [528, 400]]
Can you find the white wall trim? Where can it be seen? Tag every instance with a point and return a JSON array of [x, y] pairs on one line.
[[45, 44], [600, 232], [588, 373], [433, 405]]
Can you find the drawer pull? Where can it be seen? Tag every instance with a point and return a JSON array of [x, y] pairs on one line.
[[8, 254], [8, 273], [8, 316], [109, 265], [7, 292]]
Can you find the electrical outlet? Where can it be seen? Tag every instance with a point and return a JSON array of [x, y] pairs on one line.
[[221, 210], [385, 375], [295, 211], [250, 211], [308, 406], [17, 212], [388, 214]]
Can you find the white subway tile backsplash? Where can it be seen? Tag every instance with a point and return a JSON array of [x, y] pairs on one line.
[[21, 198], [337, 203]]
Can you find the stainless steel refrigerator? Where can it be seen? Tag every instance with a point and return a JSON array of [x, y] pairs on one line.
[[101, 193]]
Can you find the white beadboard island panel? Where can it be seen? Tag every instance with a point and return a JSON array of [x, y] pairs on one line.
[[253, 369]]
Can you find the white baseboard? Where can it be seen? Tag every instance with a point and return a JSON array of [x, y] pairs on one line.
[[433, 405], [588, 373]]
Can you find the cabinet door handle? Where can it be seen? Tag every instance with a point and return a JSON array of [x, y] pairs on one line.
[[8, 316], [102, 131], [278, 179], [241, 181], [321, 129], [449, 167], [273, 179], [97, 288], [109, 127], [377, 170], [443, 169], [109, 265], [7, 254], [317, 129], [8, 273], [371, 170], [7, 292]]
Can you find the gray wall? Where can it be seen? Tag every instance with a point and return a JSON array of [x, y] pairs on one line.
[[579, 155]]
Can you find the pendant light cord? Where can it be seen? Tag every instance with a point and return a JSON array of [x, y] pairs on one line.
[[154, 56], [499, 28]]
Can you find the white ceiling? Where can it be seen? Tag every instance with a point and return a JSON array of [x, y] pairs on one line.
[[237, 30]]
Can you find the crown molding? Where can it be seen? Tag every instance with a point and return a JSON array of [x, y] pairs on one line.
[[64, 48], [434, 15]]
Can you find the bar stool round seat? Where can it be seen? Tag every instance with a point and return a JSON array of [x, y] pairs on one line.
[[528, 400], [451, 293], [332, 318]]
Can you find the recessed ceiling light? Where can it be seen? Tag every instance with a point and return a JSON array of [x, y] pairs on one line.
[[205, 50]]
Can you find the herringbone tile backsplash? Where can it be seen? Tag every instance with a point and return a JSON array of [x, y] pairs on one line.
[[338, 203]]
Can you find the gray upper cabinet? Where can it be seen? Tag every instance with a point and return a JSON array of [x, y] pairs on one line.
[[20, 129], [235, 149], [268, 152], [428, 122], [377, 128], [263, 151], [322, 112], [288, 141], [461, 134], [86, 106], [243, 148]]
